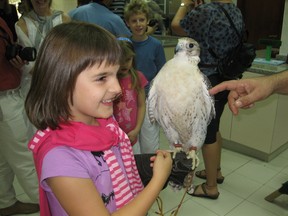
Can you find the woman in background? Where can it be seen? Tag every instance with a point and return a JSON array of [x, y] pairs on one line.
[[32, 27]]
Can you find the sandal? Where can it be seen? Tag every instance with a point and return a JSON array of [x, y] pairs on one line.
[[202, 174], [205, 194]]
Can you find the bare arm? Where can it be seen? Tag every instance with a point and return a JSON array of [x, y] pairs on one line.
[[243, 93], [151, 29], [180, 14], [175, 24], [280, 83], [79, 196]]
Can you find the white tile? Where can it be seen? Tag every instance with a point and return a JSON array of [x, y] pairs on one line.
[[192, 208], [170, 199], [277, 164], [277, 181], [240, 185], [256, 171], [279, 207], [224, 204], [231, 161], [248, 209]]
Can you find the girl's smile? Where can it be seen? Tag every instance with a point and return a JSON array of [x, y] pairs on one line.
[[95, 90]]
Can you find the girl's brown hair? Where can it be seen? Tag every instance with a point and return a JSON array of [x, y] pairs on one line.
[[66, 51], [127, 52]]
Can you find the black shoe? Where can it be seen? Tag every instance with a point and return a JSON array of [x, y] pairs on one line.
[[180, 168], [20, 208]]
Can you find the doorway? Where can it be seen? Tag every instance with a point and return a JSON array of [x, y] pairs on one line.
[[263, 19]]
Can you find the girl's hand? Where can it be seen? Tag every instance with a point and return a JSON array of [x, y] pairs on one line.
[[132, 135], [162, 165]]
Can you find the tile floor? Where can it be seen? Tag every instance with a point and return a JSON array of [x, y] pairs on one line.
[[247, 182]]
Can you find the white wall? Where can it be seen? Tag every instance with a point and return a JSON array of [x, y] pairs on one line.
[[64, 5], [284, 36]]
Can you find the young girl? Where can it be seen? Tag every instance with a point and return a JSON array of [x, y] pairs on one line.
[[84, 161], [129, 111]]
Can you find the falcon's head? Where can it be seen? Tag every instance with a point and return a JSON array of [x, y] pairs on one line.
[[189, 46]]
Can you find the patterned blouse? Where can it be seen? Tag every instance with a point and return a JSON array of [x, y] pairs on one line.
[[209, 26]]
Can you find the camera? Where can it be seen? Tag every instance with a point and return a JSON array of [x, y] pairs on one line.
[[152, 22], [26, 53]]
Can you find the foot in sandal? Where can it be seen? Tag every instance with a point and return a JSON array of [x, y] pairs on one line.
[[202, 190], [202, 174]]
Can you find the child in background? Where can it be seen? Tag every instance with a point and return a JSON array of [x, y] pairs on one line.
[[79, 149], [129, 111], [150, 58]]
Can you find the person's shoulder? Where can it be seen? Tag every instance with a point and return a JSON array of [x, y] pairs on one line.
[[79, 10], [66, 18], [153, 39], [21, 23], [156, 42], [142, 76]]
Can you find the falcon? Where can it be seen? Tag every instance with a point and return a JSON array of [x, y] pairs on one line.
[[180, 102]]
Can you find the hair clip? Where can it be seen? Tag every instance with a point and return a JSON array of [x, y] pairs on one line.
[[124, 39]]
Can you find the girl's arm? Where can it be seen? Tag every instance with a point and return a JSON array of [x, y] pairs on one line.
[[141, 108], [78, 196]]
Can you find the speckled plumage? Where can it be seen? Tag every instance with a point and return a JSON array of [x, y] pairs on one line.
[[179, 99]]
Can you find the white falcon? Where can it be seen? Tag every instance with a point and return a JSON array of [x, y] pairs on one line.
[[180, 102]]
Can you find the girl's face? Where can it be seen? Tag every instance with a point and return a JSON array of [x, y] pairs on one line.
[[138, 24], [126, 65], [95, 90]]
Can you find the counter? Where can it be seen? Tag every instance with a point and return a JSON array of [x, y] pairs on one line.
[[268, 69]]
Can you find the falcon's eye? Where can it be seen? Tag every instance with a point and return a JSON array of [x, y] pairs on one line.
[[191, 45]]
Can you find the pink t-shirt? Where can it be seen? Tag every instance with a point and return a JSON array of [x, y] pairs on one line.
[[125, 111]]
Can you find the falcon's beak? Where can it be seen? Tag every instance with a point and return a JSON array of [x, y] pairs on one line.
[[177, 49]]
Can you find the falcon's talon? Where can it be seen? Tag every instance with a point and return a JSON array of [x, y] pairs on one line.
[[195, 160], [178, 148]]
